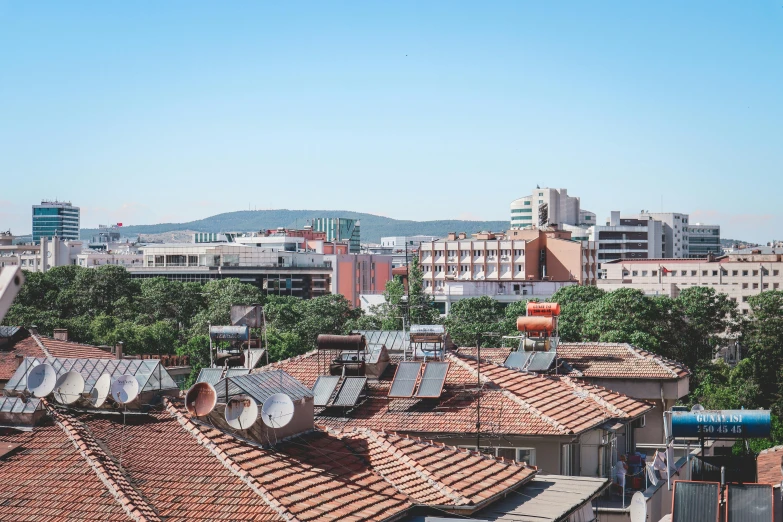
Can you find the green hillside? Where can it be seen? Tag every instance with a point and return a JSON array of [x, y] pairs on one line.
[[373, 227]]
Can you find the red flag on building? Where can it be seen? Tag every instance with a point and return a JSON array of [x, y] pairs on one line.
[[664, 270]]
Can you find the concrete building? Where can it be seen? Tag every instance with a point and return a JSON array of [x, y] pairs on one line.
[[356, 274], [675, 232], [549, 206], [49, 253], [739, 276], [627, 238], [512, 266], [340, 229], [276, 272], [703, 240], [401, 243], [55, 218]]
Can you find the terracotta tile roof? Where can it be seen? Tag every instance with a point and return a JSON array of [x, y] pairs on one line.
[[512, 402], [177, 475], [768, 466], [599, 361], [52, 476], [618, 361], [359, 474], [42, 346]]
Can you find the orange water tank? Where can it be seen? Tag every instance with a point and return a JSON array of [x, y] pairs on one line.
[[536, 324], [543, 309]]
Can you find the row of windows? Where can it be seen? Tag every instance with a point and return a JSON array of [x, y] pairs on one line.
[[462, 268], [520, 210], [479, 253], [704, 273], [522, 218]]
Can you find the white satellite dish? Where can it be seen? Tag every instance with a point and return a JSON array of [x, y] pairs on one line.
[[277, 411], [69, 388], [638, 507], [241, 412], [697, 407], [101, 390], [124, 389], [41, 380]]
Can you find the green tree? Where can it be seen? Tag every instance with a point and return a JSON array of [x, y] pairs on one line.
[[421, 307], [575, 303], [481, 317], [763, 338], [218, 295], [197, 349]]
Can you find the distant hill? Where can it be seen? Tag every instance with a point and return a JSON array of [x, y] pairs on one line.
[[373, 227]]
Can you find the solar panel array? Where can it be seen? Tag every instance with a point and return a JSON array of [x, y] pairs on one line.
[[210, 375], [395, 340], [405, 379], [530, 361], [350, 391], [324, 388], [749, 503], [695, 501], [431, 385], [149, 372], [263, 385]]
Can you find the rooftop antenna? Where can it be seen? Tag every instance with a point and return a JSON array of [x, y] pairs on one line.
[[241, 412], [124, 389], [69, 387], [277, 411], [41, 380], [100, 391], [201, 399]]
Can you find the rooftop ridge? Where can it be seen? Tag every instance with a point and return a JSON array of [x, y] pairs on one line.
[[108, 472], [40, 344], [228, 462], [513, 396], [408, 462]]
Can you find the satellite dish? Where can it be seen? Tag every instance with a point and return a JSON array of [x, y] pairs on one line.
[[638, 507], [41, 380], [697, 407], [101, 390], [241, 412], [201, 399], [124, 389], [69, 388], [277, 411]]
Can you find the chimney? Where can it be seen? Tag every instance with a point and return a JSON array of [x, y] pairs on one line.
[[18, 358], [462, 235], [61, 334], [118, 350], [452, 236]]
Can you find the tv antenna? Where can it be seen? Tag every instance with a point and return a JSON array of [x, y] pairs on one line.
[[241, 412], [201, 399], [69, 388], [277, 411]]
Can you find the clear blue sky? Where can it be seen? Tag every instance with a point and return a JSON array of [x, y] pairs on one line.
[[143, 112]]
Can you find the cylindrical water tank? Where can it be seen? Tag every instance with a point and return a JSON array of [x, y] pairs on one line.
[[355, 342], [543, 309], [536, 324]]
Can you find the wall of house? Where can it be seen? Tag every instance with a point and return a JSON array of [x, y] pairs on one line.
[[563, 260]]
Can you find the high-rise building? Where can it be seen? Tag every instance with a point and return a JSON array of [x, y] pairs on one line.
[[549, 206], [340, 229], [628, 238], [675, 232], [703, 240], [55, 218]]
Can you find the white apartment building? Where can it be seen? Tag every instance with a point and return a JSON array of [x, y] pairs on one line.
[[549, 206], [48, 253], [519, 264], [739, 276], [627, 238], [675, 232], [703, 240], [400, 243]]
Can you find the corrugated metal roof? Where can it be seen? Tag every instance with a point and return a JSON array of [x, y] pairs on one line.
[[149, 372], [263, 385], [405, 379], [236, 372], [323, 389], [210, 375], [350, 391], [695, 501], [749, 503], [432, 381]]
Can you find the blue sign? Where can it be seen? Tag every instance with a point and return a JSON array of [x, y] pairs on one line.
[[721, 424]]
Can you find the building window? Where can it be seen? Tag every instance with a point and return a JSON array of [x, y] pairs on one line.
[[634, 273], [744, 299], [744, 285], [683, 273], [734, 272], [775, 285], [766, 285], [755, 272], [693, 273], [654, 272], [775, 272], [644, 273], [744, 272], [755, 286], [714, 273], [704, 273]]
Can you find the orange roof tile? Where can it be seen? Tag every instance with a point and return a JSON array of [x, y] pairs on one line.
[[512, 402], [768, 466], [42, 346]]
